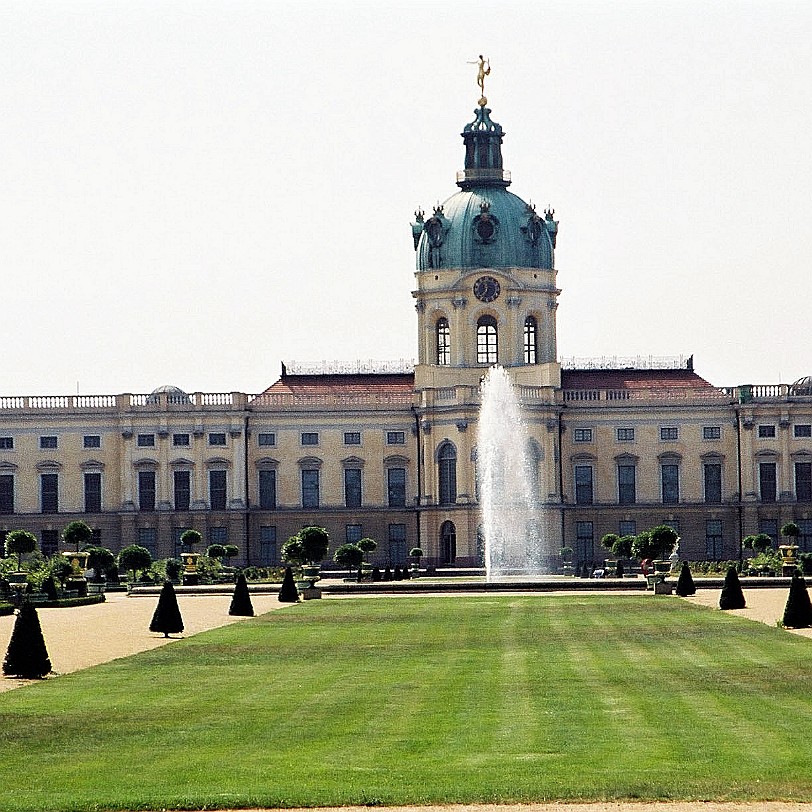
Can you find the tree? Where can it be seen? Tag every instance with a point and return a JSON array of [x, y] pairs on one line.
[[216, 551], [315, 543], [49, 588], [655, 543], [60, 568], [762, 542], [367, 546], [622, 548], [732, 596], [241, 605], [27, 656], [174, 569], [798, 610], [292, 551], [791, 531], [685, 583], [609, 541], [188, 538], [77, 533], [349, 556], [288, 593], [134, 558], [20, 542], [99, 559], [231, 550], [167, 619]]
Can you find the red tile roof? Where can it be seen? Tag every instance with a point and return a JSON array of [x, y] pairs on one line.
[[634, 379], [343, 385]]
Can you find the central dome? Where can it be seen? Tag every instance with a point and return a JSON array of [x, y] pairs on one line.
[[484, 225]]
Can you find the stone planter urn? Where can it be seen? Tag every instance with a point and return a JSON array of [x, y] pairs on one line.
[[76, 581], [307, 586], [190, 574], [789, 561]]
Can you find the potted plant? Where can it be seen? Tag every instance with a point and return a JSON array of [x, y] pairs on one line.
[[308, 548], [19, 542], [135, 559], [416, 554], [367, 546], [188, 540], [349, 556], [789, 563], [77, 534], [99, 559], [652, 545], [566, 560]]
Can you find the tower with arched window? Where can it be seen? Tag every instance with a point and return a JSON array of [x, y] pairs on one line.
[[485, 294]]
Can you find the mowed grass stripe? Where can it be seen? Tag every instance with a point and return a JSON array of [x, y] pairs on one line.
[[419, 700]]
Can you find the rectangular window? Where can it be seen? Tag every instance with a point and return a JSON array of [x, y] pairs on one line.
[[626, 484], [713, 482], [625, 435], [352, 487], [177, 532], [267, 546], [146, 490], [50, 542], [93, 495], [6, 493], [91, 441], [47, 442], [310, 438], [217, 438], [353, 533], [770, 528], [266, 439], [180, 440], [711, 432], [583, 485], [6, 443], [217, 490], [352, 438], [584, 541], [803, 430], [713, 539], [397, 544], [145, 440], [182, 482], [218, 535], [395, 437], [803, 481], [310, 488], [805, 539], [267, 489], [766, 431], [582, 435], [49, 493], [767, 481], [669, 433], [670, 483], [148, 537], [396, 486], [627, 528]]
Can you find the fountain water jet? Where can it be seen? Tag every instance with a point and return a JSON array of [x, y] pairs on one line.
[[513, 520]]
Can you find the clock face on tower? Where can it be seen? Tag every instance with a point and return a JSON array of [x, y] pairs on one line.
[[486, 289]]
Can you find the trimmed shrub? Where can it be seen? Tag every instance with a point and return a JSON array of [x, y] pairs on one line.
[[27, 656], [805, 560], [167, 619], [77, 533], [315, 543], [241, 605], [798, 611], [49, 588], [732, 596], [387, 573], [685, 583], [288, 593], [188, 538], [20, 542], [173, 569], [216, 551], [135, 558], [398, 574], [376, 573]]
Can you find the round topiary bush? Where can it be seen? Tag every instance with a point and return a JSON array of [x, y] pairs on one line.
[[20, 543]]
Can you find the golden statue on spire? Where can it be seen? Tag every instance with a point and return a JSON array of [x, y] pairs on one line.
[[484, 70]]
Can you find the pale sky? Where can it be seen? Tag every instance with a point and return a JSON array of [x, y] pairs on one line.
[[192, 192]]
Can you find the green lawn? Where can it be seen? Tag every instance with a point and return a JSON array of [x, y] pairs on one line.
[[422, 700]]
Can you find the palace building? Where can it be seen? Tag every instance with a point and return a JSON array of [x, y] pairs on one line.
[[390, 452]]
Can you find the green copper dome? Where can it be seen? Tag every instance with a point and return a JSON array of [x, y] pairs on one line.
[[484, 225]]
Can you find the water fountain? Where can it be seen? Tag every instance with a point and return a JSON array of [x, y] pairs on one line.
[[513, 520]]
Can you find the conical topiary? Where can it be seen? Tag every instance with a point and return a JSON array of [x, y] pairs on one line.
[[27, 656], [732, 596], [798, 611], [49, 588], [241, 605], [167, 617], [288, 593], [387, 573], [685, 584]]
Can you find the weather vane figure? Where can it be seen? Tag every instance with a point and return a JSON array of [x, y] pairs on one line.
[[484, 70]]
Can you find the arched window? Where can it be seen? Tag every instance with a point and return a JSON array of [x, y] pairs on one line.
[[443, 342], [448, 543], [486, 341], [447, 471], [530, 340]]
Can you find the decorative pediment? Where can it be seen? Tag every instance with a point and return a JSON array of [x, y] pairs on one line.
[[310, 462], [352, 462], [7, 467], [92, 465], [396, 461], [267, 462], [49, 465], [182, 461], [145, 462], [218, 462]]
